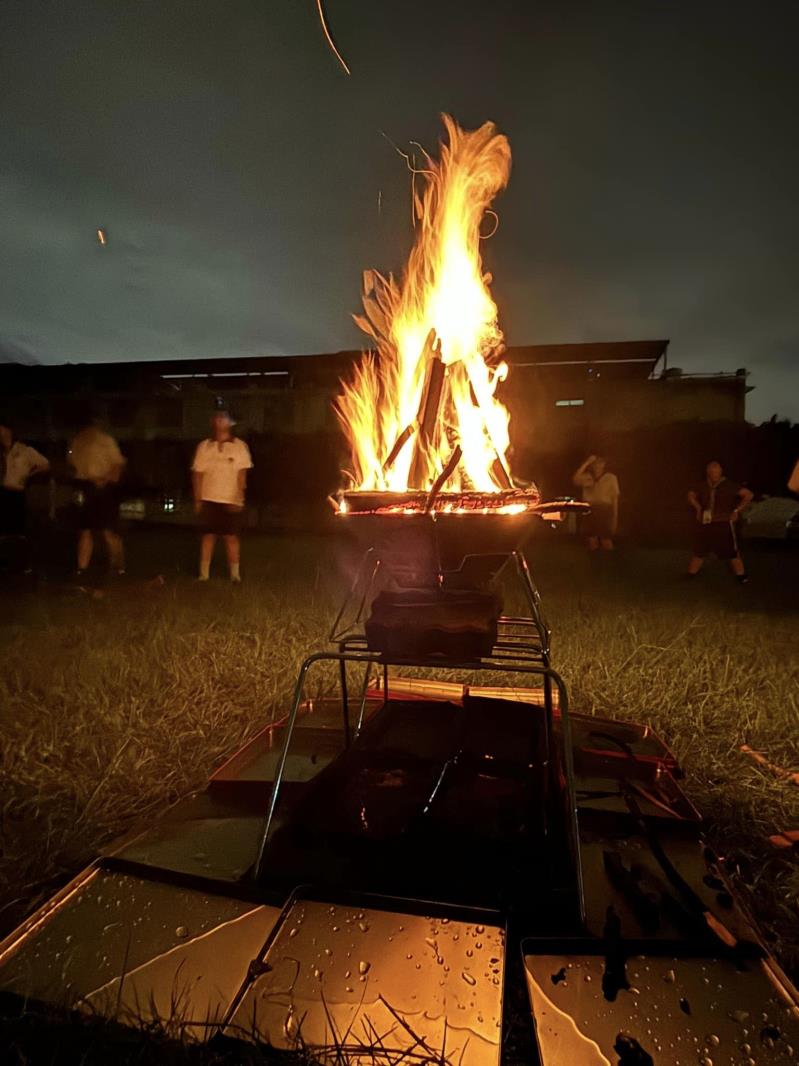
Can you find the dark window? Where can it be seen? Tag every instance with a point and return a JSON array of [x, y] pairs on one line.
[[278, 411], [122, 411], [168, 412]]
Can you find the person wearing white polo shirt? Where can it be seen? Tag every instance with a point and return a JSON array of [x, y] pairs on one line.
[[219, 476]]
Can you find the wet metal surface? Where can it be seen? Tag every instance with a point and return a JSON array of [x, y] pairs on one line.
[[681, 1012], [674, 920], [318, 739], [222, 847], [112, 924], [190, 987], [365, 977]]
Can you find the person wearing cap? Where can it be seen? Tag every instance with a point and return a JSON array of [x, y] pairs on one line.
[[219, 476]]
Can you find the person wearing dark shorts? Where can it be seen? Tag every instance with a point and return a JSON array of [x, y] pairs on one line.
[[98, 464], [100, 507], [717, 504], [220, 519], [219, 476]]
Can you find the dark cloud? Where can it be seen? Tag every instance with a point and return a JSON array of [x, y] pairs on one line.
[[238, 172]]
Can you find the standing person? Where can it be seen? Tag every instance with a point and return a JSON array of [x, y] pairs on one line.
[[219, 476], [98, 464], [18, 463], [601, 491], [717, 504]]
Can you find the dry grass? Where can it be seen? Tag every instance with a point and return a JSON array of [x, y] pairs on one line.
[[111, 708]]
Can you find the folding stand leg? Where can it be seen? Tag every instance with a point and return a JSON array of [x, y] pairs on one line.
[[281, 764], [345, 700], [362, 706], [534, 602], [369, 557]]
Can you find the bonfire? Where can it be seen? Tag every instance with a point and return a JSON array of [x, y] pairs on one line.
[[425, 426]]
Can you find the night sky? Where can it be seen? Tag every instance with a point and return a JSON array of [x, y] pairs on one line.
[[244, 181]]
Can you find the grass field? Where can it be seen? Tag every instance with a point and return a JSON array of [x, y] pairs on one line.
[[111, 708]]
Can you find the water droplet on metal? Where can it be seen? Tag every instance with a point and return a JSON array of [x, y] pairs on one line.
[[363, 967], [290, 1025], [469, 953], [468, 978], [293, 932], [181, 931], [669, 977]]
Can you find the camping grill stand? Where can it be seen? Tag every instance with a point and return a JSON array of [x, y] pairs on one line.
[[522, 647]]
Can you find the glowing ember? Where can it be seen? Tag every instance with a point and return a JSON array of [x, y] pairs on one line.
[[422, 412], [511, 502]]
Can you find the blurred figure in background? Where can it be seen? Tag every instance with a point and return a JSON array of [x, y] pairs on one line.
[[219, 476], [600, 489], [793, 480], [18, 463], [98, 464], [717, 504]]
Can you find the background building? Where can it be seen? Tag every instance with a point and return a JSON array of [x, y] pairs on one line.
[[657, 425]]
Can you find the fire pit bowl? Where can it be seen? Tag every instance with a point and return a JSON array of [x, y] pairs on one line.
[[418, 545]]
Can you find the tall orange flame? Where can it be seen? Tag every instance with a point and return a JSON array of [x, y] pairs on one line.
[[443, 290]]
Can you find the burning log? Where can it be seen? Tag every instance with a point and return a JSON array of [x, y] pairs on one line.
[[429, 408], [501, 473], [433, 388], [442, 478], [401, 441]]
